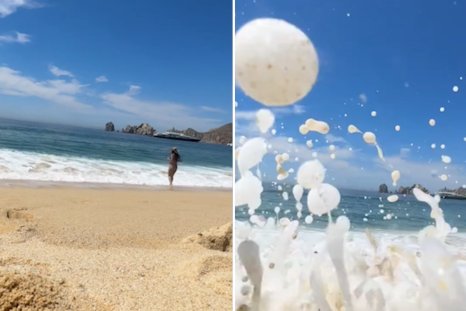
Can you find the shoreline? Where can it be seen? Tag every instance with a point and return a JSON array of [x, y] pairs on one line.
[[37, 184]]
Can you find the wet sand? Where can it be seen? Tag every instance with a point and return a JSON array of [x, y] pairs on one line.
[[75, 248]]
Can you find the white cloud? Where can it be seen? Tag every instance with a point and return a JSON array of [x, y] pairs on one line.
[[8, 7], [290, 110], [60, 92], [335, 139], [165, 114], [60, 72], [212, 109], [134, 90], [363, 98], [18, 37], [101, 79], [245, 115]]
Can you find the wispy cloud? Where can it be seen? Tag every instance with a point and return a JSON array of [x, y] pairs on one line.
[[357, 169], [245, 115], [212, 109], [335, 139], [17, 37], [60, 72], [101, 79], [8, 7], [164, 114], [60, 92], [294, 109]]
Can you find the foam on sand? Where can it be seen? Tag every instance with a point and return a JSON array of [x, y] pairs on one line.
[[31, 166]]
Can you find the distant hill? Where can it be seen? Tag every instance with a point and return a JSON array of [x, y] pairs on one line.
[[221, 135]]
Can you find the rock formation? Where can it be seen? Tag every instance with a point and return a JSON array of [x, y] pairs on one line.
[[409, 190], [110, 127], [141, 129], [383, 188]]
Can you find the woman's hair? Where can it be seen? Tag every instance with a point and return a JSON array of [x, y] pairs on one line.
[[175, 152]]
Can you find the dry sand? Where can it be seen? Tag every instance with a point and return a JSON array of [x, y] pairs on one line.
[[69, 248]]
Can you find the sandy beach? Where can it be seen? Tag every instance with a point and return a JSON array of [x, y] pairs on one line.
[[75, 248]]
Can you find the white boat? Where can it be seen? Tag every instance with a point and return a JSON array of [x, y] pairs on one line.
[[451, 195], [176, 136]]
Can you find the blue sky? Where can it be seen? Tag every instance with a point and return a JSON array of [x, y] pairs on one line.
[[88, 62], [398, 58]]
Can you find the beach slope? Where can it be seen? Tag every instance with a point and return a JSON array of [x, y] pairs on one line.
[[115, 249]]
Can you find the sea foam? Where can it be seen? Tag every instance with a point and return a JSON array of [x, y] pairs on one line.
[[32, 166]]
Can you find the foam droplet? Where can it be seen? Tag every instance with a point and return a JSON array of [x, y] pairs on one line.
[[392, 198], [432, 122], [251, 154], [353, 129], [275, 62], [311, 174], [397, 128], [321, 200], [264, 120], [303, 130], [373, 113], [248, 191], [446, 159], [309, 144], [455, 88], [298, 192], [395, 176], [369, 138], [309, 219], [317, 126]]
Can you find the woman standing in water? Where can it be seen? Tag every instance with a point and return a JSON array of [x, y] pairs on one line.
[[173, 164]]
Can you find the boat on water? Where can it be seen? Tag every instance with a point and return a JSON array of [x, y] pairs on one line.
[[451, 195], [176, 136]]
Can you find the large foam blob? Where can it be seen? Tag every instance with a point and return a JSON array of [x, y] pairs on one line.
[[276, 64]]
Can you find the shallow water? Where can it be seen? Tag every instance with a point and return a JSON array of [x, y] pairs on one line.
[[46, 152], [408, 214]]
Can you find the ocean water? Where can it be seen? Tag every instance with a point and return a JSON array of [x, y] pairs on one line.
[[365, 209], [32, 151]]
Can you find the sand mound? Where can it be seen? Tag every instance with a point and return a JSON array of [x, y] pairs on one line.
[[18, 213], [213, 271], [218, 238], [27, 291]]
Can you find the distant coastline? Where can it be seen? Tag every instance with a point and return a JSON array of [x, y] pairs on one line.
[[220, 135]]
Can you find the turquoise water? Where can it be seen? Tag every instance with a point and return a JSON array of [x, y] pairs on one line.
[[47, 152], [364, 209]]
